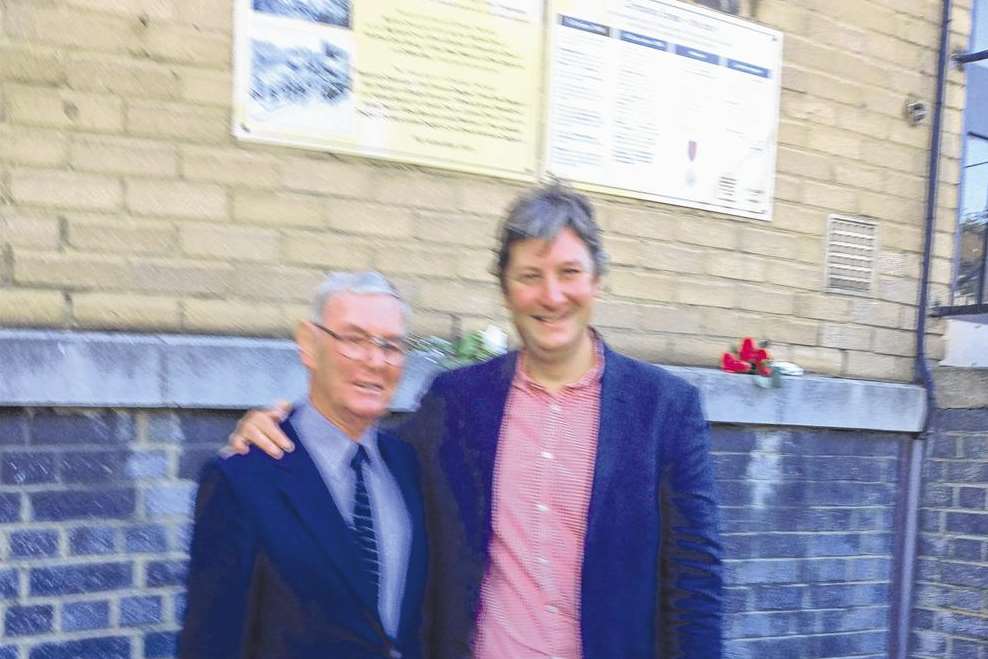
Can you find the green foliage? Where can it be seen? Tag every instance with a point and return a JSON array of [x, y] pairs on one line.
[[470, 349]]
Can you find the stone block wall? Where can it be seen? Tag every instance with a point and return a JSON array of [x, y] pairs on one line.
[[125, 203], [94, 527]]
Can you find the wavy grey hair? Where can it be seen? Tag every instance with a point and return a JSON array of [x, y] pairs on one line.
[[542, 214], [359, 283]]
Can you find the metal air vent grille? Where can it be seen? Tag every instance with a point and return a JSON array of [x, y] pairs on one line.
[[852, 245]]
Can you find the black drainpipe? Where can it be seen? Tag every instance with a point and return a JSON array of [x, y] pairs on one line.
[[907, 506]]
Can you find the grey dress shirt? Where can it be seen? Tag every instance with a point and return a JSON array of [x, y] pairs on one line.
[[332, 451]]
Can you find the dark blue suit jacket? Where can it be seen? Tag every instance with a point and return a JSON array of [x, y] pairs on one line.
[[274, 570], [651, 571]]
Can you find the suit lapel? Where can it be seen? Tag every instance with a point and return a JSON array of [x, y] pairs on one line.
[[486, 414], [306, 492], [624, 497], [615, 394], [613, 399]]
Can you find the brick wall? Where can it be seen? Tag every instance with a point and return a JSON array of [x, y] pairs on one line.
[[126, 204], [808, 519], [94, 528], [950, 618]]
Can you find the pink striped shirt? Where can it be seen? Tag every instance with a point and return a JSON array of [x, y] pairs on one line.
[[543, 476]]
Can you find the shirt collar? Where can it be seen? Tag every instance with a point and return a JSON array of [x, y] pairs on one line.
[[523, 380], [327, 444]]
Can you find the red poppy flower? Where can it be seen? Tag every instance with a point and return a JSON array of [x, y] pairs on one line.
[[747, 353], [732, 364]]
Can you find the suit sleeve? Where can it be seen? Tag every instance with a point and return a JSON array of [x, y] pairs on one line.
[[220, 567], [691, 607]]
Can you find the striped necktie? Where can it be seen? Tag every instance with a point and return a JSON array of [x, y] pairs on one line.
[[363, 521]]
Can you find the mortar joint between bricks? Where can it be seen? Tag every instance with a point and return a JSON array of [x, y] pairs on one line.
[[7, 268], [63, 233], [6, 197], [68, 314]]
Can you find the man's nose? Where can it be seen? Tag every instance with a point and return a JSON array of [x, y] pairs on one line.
[[375, 356], [552, 292]]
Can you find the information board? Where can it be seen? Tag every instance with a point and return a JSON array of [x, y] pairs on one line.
[[444, 83], [663, 100], [652, 99]]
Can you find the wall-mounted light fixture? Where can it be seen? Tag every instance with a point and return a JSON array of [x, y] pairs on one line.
[[915, 110]]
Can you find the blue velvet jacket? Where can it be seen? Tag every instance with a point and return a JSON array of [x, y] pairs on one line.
[[274, 571], [651, 582]]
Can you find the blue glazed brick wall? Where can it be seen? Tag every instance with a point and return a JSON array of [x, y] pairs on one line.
[[807, 517], [94, 526], [950, 618]]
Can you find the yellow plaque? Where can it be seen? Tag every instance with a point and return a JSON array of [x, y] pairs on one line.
[[443, 83]]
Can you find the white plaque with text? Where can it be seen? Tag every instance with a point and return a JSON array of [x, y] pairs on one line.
[[662, 100]]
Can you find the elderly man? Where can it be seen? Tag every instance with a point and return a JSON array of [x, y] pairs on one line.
[[569, 488], [322, 554]]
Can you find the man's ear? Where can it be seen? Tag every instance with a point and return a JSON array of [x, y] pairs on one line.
[[305, 339]]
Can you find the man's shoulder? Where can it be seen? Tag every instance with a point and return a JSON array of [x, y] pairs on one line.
[[252, 470], [649, 375], [389, 440], [483, 373]]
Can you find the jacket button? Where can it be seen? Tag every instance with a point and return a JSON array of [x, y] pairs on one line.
[[394, 654]]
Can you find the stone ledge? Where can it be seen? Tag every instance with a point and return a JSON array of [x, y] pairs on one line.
[[809, 400], [91, 369]]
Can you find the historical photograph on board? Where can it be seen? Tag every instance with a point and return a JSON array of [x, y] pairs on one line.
[[297, 77], [330, 12]]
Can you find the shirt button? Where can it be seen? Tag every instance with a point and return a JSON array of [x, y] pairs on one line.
[[554, 408], [549, 608], [543, 560], [542, 508], [547, 455]]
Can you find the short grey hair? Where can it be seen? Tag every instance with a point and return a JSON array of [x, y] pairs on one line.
[[542, 214], [359, 283]]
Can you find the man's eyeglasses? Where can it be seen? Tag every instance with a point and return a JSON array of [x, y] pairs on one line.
[[358, 346]]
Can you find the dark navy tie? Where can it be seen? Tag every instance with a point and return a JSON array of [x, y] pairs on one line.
[[363, 521]]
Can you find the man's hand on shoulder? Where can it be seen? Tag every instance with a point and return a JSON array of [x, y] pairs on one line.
[[260, 428]]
